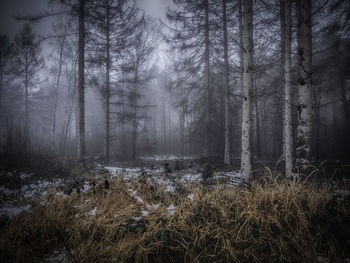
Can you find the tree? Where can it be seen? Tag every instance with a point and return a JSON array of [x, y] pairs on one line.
[[30, 62], [287, 121], [304, 129], [191, 37], [6, 53], [81, 80], [227, 158], [60, 62], [114, 23], [137, 74], [247, 91]]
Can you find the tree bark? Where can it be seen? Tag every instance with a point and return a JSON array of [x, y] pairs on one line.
[[107, 113], [135, 124], [287, 120], [226, 93], [304, 130], [26, 117], [1, 79], [257, 125], [247, 92], [207, 151], [81, 81]]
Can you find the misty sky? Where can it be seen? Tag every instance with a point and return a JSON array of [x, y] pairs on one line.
[[10, 26], [9, 8]]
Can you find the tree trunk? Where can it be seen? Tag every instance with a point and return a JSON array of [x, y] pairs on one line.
[[81, 64], [169, 129], [107, 113], [164, 127], [26, 118], [135, 124], [282, 46], [123, 144], [56, 95], [1, 80], [303, 147], [207, 151], [247, 92], [287, 120], [134, 131], [227, 158], [257, 124], [69, 118], [182, 130]]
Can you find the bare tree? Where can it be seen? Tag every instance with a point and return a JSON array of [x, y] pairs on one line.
[[304, 129], [247, 91], [81, 81], [287, 121], [28, 52], [227, 157]]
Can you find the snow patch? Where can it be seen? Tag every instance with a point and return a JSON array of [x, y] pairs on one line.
[[171, 209], [139, 199], [12, 211], [6, 191], [92, 212], [158, 158], [24, 176], [58, 257]]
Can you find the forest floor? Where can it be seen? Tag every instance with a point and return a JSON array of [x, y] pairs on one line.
[[169, 208]]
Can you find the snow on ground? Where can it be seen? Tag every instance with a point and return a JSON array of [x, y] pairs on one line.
[[126, 172], [6, 191], [158, 158], [191, 178], [58, 256], [15, 201], [10, 210], [171, 209], [23, 176], [91, 212]]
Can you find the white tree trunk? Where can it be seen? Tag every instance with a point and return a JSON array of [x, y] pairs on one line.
[[226, 93], [247, 92], [303, 149], [287, 121]]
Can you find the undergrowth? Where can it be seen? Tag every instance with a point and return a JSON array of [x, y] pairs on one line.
[[278, 220]]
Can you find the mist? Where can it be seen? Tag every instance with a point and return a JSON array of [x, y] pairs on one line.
[[175, 103]]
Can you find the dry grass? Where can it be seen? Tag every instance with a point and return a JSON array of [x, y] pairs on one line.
[[275, 221]]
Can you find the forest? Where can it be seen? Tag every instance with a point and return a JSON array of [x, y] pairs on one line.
[[175, 130]]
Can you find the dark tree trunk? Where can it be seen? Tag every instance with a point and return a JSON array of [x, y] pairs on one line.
[[107, 129], [81, 81], [207, 151]]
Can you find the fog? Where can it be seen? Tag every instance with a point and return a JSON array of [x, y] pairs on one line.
[[174, 131], [165, 90]]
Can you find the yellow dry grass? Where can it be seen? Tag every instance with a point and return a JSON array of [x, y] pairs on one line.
[[272, 221]]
